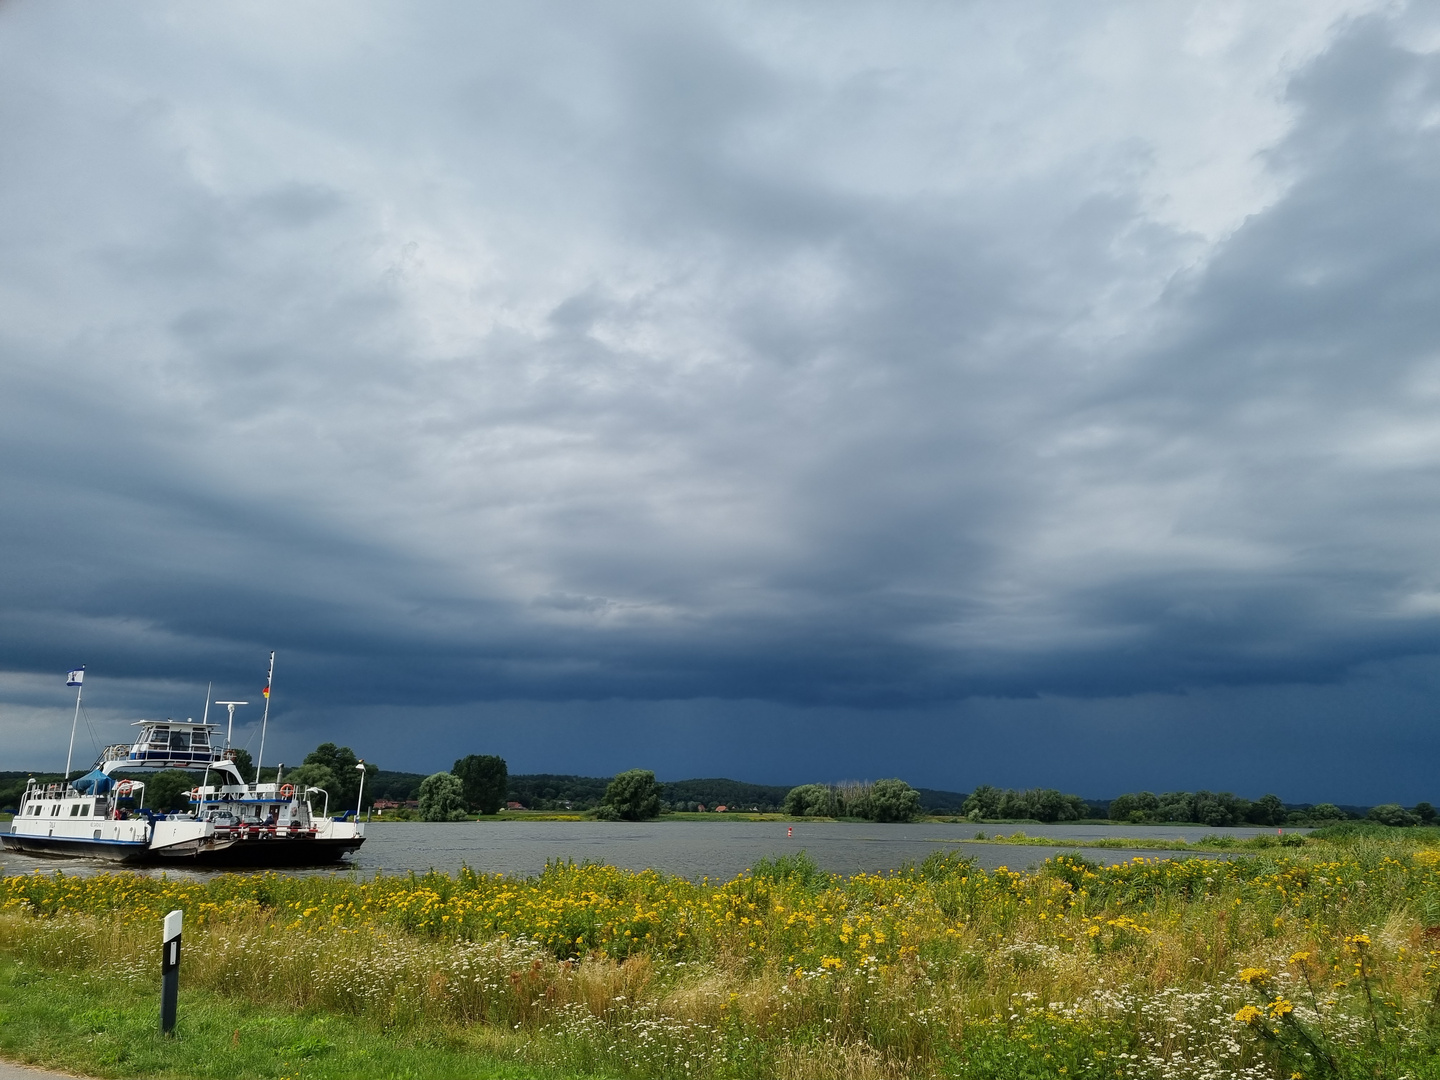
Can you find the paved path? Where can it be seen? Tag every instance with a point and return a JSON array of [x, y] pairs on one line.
[[9, 1071]]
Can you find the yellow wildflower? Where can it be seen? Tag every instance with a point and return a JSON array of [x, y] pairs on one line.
[[1249, 1015]]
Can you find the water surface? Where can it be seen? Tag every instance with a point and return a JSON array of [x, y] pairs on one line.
[[692, 849]]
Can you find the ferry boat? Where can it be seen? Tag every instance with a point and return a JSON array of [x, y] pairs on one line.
[[229, 823]]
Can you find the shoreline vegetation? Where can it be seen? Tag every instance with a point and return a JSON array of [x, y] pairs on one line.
[[1218, 839], [482, 784], [1318, 960], [479, 786]]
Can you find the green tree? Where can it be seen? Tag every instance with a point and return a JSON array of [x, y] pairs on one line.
[[634, 795], [1136, 808], [1042, 804], [166, 791], [1267, 810], [1326, 812], [246, 764], [485, 780], [320, 776], [442, 798], [1219, 808], [983, 802], [889, 800], [813, 800], [1425, 812], [341, 762]]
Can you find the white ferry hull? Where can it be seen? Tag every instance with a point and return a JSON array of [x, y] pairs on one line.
[[194, 850], [115, 841]]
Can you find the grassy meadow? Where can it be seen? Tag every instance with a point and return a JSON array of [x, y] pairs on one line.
[[1315, 961]]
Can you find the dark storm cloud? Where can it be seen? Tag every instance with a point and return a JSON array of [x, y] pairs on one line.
[[753, 355]]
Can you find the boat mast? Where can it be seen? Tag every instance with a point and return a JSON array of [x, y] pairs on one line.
[[265, 719], [77, 680]]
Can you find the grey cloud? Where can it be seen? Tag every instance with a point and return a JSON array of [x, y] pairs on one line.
[[515, 359]]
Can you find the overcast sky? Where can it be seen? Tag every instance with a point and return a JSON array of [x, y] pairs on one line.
[[1030, 394]]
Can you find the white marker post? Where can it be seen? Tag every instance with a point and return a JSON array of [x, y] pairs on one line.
[[170, 972], [359, 799]]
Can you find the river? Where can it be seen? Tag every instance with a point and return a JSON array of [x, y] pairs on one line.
[[692, 849]]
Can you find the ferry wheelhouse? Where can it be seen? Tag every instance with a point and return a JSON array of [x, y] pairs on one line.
[[229, 823]]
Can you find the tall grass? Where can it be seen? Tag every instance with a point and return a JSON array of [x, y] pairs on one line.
[[939, 969]]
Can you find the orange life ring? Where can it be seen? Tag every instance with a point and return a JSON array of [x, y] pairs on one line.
[[193, 794], [287, 791], [124, 787]]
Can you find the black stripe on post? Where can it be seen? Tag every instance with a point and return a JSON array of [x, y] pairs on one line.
[[170, 972]]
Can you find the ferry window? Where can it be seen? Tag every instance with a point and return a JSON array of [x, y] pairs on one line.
[[160, 736], [199, 739], [179, 740], [75, 810], [85, 810]]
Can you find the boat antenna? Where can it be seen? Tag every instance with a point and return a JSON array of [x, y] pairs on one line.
[[265, 719], [231, 725], [76, 679], [205, 719]]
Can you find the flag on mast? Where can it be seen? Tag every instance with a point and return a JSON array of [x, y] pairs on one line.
[[76, 677]]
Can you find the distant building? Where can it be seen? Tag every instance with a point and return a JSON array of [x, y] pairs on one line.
[[721, 809], [701, 808], [513, 806]]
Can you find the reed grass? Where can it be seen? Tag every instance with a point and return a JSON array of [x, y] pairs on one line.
[[1317, 961]]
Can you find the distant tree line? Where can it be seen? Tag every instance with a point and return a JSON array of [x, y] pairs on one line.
[[1223, 808], [1394, 814], [884, 800], [482, 784], [1035, 804], [690, 795], [1199, 807], [553, 791]]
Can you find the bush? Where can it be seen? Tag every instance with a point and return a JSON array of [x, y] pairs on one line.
[[442, 798], [799, 868], [634, 795]]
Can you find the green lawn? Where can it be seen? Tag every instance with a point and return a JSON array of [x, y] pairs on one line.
[[101, 1025]]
